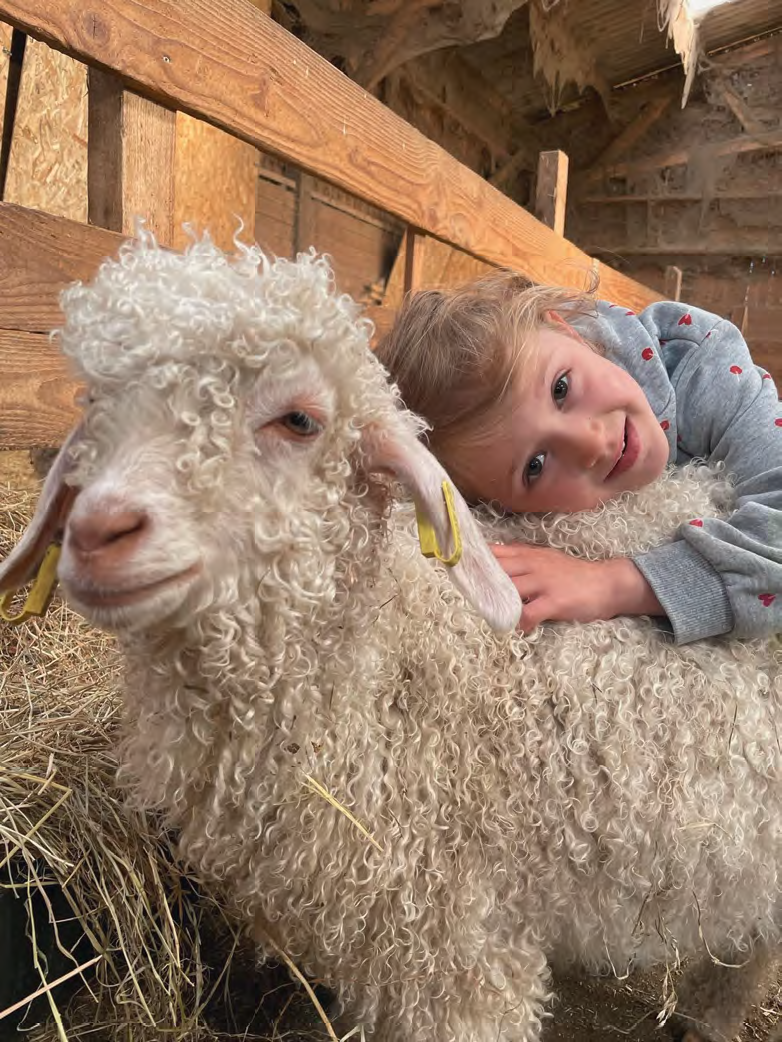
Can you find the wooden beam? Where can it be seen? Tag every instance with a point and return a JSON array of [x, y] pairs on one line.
[[130, 159], [269, 88], [551, 190], [650, 114], [415, 250], [452, 84], [770, 140], [738, 317], [673, 282], [39, 256], [304, 223], [683, 197], [738, 107], [36, 393], [738, 243]]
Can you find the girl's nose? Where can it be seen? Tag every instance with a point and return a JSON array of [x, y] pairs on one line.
[[584, 444]]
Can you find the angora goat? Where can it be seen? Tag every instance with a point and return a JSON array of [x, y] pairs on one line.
[[590, 794]]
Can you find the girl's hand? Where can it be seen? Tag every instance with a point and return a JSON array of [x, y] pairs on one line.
[[557, 587]]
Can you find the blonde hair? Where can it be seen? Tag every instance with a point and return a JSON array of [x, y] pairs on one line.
[[452, 352]]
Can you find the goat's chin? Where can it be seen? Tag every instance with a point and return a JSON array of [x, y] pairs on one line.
[[132, 610]]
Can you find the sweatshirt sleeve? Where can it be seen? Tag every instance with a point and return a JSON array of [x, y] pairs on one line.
[[721, 576]]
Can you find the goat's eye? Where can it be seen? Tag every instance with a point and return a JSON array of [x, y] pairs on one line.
[[301, 424]]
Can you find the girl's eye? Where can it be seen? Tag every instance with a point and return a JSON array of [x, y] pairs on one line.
[[560, 388], [535, 467], [301, 424]]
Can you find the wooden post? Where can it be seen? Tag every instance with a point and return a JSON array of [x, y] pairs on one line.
[[415, 244], [738, 317], [130, 159], [673, 283], [304, 222], [551, 190]]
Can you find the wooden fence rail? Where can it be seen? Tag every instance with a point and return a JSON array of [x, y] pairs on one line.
[[234, 67]]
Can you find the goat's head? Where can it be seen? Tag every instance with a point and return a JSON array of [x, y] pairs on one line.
[[235, 420]]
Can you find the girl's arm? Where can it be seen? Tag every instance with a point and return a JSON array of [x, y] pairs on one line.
[[721, 576]]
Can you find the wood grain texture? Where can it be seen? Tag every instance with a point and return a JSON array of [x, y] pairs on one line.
[[243, 72], [132, 146], [48, 162], [36, 393], [442, 266], [415, 252], [215, 178], [5, 48], [39, 256], [551, 190]]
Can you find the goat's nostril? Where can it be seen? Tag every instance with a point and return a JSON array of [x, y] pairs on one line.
[[100, 531]]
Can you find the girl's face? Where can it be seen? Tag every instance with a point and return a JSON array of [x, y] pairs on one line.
[[573, 431]]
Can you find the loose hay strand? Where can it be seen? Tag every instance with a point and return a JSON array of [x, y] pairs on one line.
[[319, 789]]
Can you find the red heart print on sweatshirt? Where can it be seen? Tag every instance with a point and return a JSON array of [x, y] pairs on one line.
[[697, 523], [767, 599], [736, 369], [665, 425], [778, 423], [685, 320], [647, 353]]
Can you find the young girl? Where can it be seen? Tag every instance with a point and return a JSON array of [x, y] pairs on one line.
[[540, 399]]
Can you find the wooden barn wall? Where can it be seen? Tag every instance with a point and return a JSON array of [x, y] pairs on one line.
[[361, 239], [216, 178]]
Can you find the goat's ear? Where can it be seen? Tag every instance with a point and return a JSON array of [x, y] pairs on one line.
[[477, 574], [50, 515]]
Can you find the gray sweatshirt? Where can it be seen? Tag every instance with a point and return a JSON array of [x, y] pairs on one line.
[[714, 404]]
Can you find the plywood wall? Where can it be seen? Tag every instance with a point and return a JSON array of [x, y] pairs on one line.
[[214, 182], [48, 163]]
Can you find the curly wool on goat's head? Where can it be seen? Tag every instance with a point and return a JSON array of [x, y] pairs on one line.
[[234, 389]]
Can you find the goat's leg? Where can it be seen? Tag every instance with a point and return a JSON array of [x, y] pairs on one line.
[[715, 999], [500, 999]]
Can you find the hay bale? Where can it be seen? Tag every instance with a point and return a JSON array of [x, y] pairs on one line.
[[148, 949]]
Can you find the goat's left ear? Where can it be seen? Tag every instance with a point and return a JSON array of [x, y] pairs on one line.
[[50, 515], [477, 574]]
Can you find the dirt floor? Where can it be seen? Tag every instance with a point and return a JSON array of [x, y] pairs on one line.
[[584, 1011]]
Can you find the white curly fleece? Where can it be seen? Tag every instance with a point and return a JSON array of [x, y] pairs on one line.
[[590, 793]]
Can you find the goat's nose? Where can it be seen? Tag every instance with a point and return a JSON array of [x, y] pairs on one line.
[[101, 531]]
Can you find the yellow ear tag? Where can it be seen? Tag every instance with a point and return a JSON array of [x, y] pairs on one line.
[[426, 533], [40, 595]]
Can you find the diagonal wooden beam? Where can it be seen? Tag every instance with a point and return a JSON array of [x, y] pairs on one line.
[[650, 114], [241, 71], [738, 107]]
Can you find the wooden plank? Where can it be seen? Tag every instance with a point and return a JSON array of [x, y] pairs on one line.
[[215, 178], [36, 393], [269, 88], [551, 190], [744, 242], [415, 251], [48, 161], [305, 218], [673, 283], [39, 256], [749, 123], [130, 171], [685, 197], [770, 140]]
